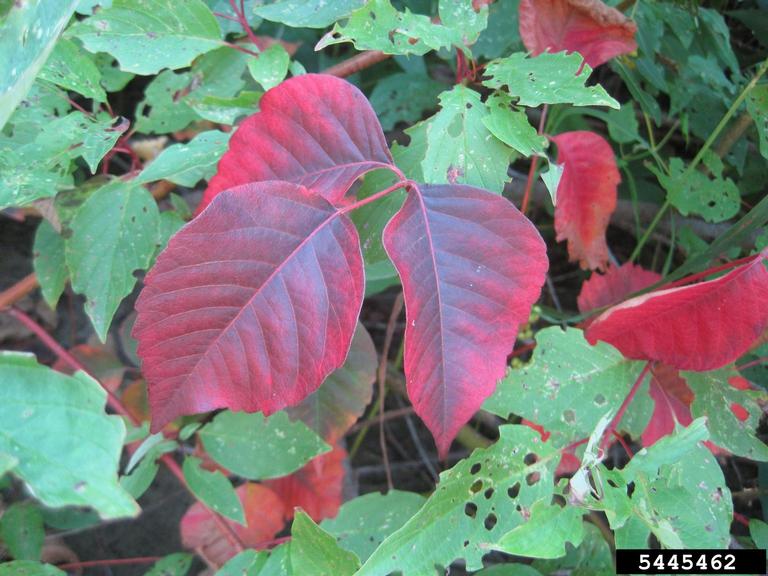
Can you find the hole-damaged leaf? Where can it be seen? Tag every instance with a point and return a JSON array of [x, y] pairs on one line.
[[252, 304], [315, 130], [589, 27], [698, 327], [614, 286], [586, 195], [471, 267]]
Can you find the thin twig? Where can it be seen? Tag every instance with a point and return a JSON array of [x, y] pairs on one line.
[[625, 404], [240, 14], [534, 163], [109, 562], [381, 374], [356, 63], [16, 292]]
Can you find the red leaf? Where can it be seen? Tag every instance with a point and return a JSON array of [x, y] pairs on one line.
[[589, 27], [252, 304], [698, 327], [316, 488], [314, 130], [672, 403], [614, 286], [471, 267], [334, 407], [586, 195], [264, 516]]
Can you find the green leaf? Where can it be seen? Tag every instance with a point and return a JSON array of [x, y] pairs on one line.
[[142, 468], [476, 502], [271, 67], [49, 264], [227, 110], [7, 463], [255, 447], [275, 562], [551, 179], [546, 533], [307, 13], [757, 106], [30, 30], [547, 79], [227, 18], [213, 489], [510, 125], [173, 565], [148, 35], [403, 97], [22, 531], [121, 218], [67, 447], [27, 568], [314, 551], [99, 137], [112, 78], [161, 112], [460, 149], [379, 26], [714, 398], [502, 36], [509, 570], [758, 530], [187, 164], [593, 557], [569, 386], [694, 192], [622, 124], [364, 522], [70, 67]]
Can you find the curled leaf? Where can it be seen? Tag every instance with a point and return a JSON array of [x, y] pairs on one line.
[[614, 286]]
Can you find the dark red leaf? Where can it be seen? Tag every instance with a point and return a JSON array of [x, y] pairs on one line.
[[698, 327], [614, 286], [315, 130], [316, 488], [586, 195], [334, 407], [252, 304], [589, 27], [672, 403], [471, 267], [265, 516]]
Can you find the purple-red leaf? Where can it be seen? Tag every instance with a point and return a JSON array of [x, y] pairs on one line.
[[471, 266], [589, 27], [698, 327], [614, 286], [586, 195], [252, 304], [315, 130]]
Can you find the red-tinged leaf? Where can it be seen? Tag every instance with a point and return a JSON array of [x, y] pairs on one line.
[[334, 407], [698, 327], [672, 403], [316, 488], [252, 304], [315, 130], [264, 516], [586, 195], [134, 398], [614, 286], [99, 361], [589, 27], [471, 267]]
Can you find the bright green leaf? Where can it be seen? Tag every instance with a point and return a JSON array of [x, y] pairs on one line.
[[549, 78], [403, 97], [255, 447], [307, 13], [161, 111], [121, 219], [30, 30], [28, 568], [271, 67], [511, 126], [551, 179], [99, 137], [592, 558], [569, 386], [758, 530], [460, 149], [275, 562], [173, 565], [22, 531], [142, 467], [227, 110], [213, 489], [546, 533], [187, 164], [148, 35], [68, 448], [49, 264], [314, 551], [70, 67], [476, 502], [363, 523], [714, 397], [622, 124], [757, 105]]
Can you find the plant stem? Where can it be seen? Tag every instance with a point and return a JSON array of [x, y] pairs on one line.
[[109, 562], [757, 362], [16, 292], [373, 197], [240, 14], [649, 230], [381, 375], [709, 271], [534, 163], [356, 63], [624, 405]]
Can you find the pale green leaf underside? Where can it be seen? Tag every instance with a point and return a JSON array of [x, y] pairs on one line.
[[67, 447]]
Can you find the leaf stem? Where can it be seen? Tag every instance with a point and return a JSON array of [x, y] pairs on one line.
[[16, 292], [404, 183], [709, 271], [356, 63], [649, 230], [240, 14], [625, 404], [381, 376], [534, 163], [109, 562]]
